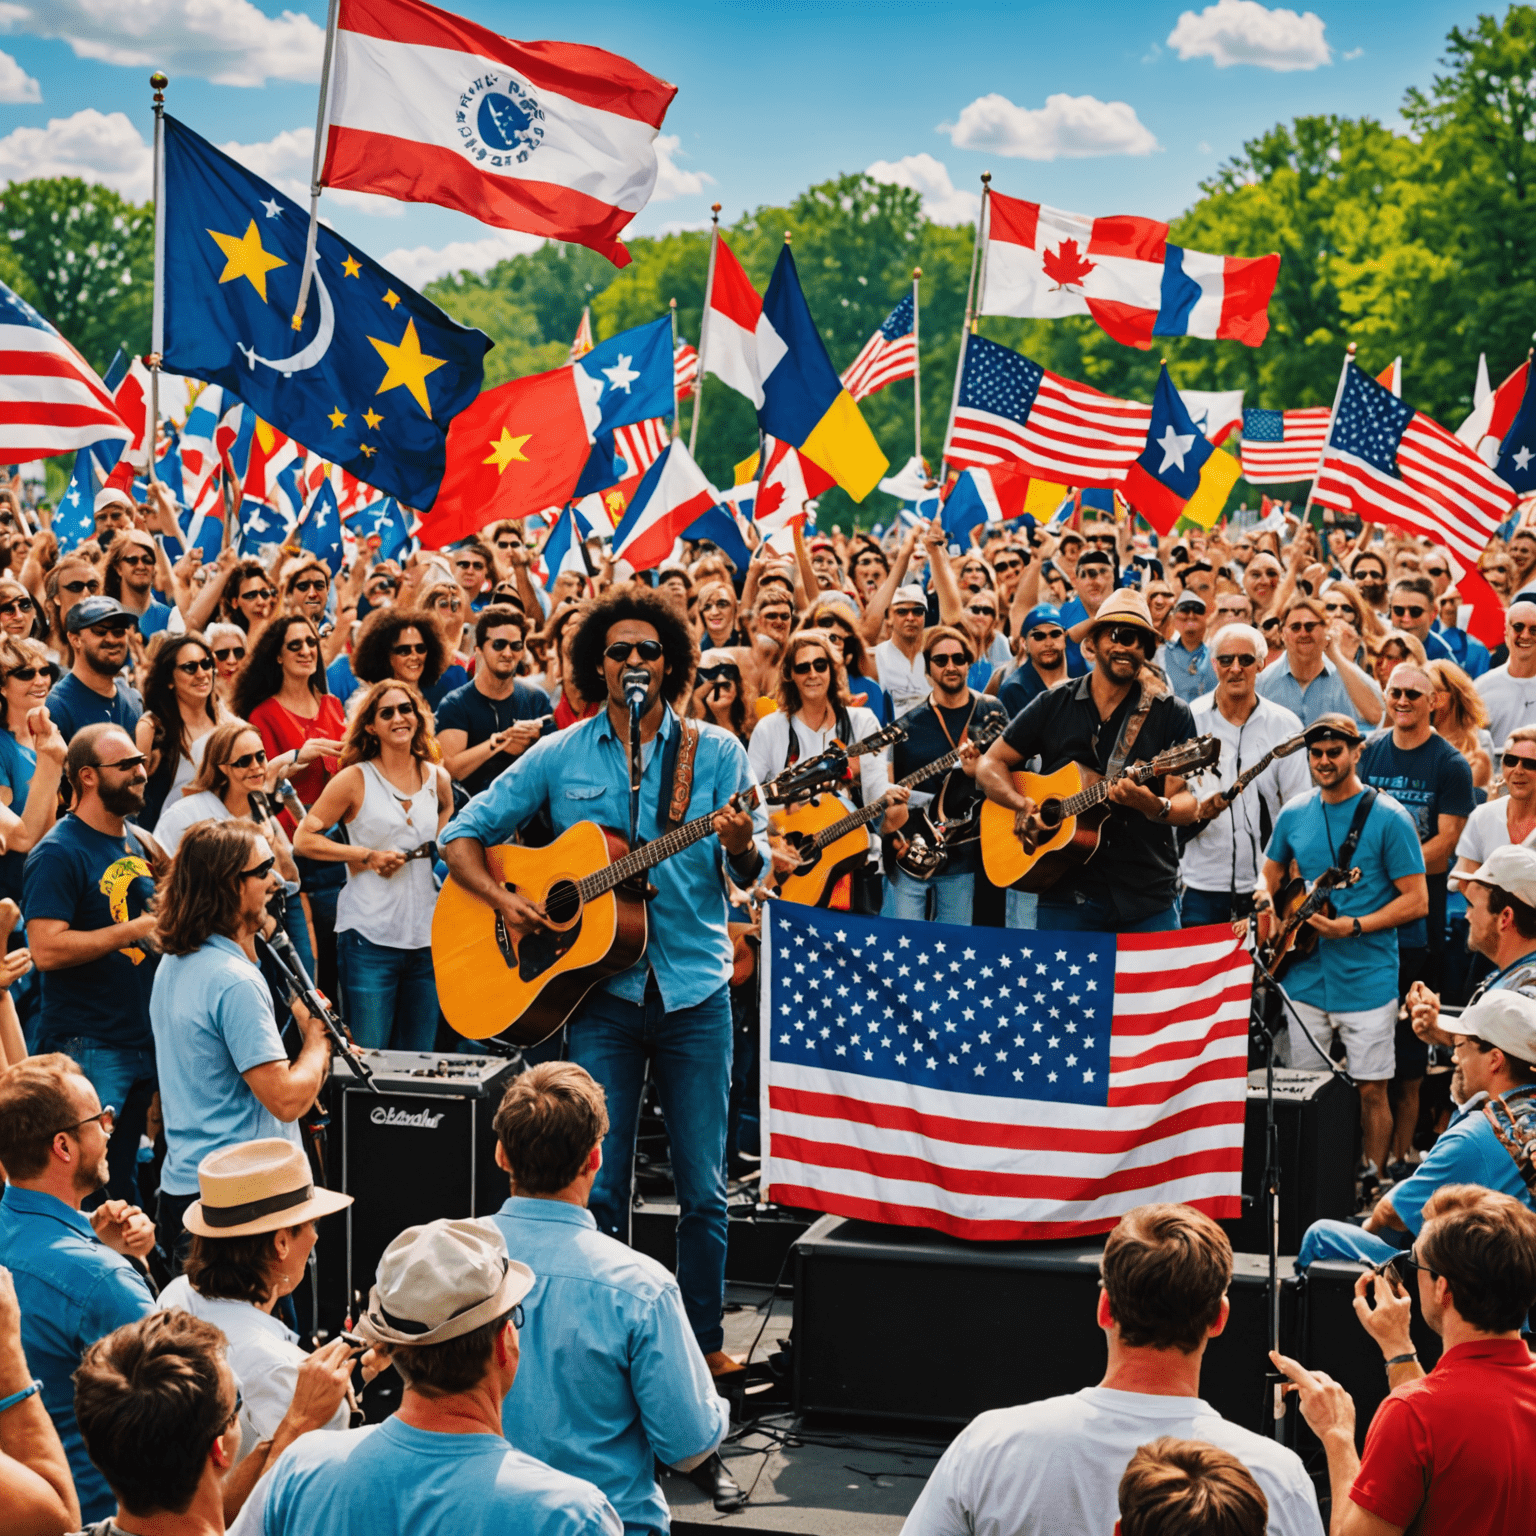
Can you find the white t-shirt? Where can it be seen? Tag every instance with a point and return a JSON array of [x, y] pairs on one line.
[[181, 814], [1510, 701], [905, 681], [1054, 1468], [1487, 828]]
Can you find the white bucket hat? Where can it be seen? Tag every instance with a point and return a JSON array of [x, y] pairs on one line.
[[257, 1186]]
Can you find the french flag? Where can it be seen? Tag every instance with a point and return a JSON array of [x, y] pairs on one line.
[[982, 495], [1044, 264], [737, 344], [672, 497], [557, 139]]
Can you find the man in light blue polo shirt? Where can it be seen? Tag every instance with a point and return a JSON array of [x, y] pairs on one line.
[[1347, 986], [1314, 677], [611, 1381], [225, 1076]]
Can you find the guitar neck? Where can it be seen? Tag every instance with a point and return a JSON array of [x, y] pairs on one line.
[[1096, 794], [1247, 776], [647, 856], [875, 808]]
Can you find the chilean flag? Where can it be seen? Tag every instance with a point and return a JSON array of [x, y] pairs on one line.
[[1044, 264], [672, 497], [557, 139]]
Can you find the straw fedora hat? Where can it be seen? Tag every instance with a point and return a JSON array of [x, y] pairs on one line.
[[257, 1186], [1123, 606]]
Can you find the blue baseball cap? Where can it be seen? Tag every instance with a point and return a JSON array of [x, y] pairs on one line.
[[1043, 613]]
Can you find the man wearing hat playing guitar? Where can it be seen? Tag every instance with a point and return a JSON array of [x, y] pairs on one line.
[[1120, 713]]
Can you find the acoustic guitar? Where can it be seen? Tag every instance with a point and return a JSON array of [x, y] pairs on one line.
[[814, 774], [1295, 938], [590, 883], [1071, 806], [922, 847], [832, 841], [1187, 835]]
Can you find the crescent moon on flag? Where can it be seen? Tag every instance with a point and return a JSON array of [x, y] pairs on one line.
[[319, 345]]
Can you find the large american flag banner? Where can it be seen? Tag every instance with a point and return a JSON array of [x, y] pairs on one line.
[[1280, 446], [1011, 411], [890, 354], [1000, 1083]]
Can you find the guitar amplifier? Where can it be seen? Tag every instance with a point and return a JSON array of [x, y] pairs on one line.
[[422, 1147]]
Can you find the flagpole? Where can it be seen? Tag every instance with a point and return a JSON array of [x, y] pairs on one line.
[[314, 175], [677, 421], [970, 309], [917, 374], [158, 83], [1338, 395], [709, 290]]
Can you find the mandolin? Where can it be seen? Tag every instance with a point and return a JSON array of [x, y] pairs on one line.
[[1187, 835], [589, 884], [1071, 806], [1296, 938]]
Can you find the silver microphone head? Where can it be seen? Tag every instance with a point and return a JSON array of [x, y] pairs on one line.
[[637, 684]]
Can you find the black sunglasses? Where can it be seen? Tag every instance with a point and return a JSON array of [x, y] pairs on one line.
[[261, 871], [815, 664], [306, 643], [26, 674], [622, 650], [1245, 660], [202, 664], [146, 560], [1046, 634], [408, 649], [258, 592], [237, 651], [314, 584], [1330, 753], [389, 711], [122, 765], [1123, 634], [1511, 759], [1408, 611], [81, 586], [991, 613], [726, 669], [950, 659], [17, 605], [1413, 695], [258, 758], [1400, 1265], [498, 644]]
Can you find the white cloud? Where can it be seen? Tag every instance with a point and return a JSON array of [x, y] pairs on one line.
[[230, 42], [98, 147], [1245, 32], [287, 161], [422, 263], [671, 180], [1354, 53], [1066, 127], [922, 173], [16, 85]]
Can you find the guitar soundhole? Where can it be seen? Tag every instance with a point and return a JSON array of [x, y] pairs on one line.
[[562, 902], [1050, 813]]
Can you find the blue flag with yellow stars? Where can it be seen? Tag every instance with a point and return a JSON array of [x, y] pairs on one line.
[[375, 374]]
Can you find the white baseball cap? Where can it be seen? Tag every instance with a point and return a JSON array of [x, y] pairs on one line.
[[1503, 1018]]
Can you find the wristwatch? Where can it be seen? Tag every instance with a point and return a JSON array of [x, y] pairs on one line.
[[1357, 929], [1167, 809]]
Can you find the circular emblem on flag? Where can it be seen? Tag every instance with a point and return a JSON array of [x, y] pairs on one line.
[[500, 121]]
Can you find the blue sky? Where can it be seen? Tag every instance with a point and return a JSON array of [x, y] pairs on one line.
[[1099, 108]]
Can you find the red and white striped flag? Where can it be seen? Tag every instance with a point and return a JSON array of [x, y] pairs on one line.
[[732, 328], [685, 370], [51, 400], [583, 342], [1281, 446], [1000, 1083], [643, 443], [890, 354], [554, 138]]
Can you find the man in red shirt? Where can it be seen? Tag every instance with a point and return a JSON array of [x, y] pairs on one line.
[[1449, 1453]]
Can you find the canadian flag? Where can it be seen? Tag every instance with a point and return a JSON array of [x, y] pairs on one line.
[[787, 481], [554, 138], [737, 344], [1044, 264]]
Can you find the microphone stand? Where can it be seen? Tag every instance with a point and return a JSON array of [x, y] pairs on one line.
[[279, 949], [637, 683]]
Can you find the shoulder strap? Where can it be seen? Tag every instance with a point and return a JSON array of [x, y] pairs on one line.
[[1513, 1136], [1356, 826], [1130, 729], [683, 749]]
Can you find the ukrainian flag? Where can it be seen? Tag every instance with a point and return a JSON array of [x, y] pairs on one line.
[[804, 402], [1179, 474]]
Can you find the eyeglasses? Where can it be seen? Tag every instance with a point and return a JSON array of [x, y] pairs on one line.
[[110, 631], [93, 585], [144, 560], [17, 605], [622, 650], [509, 543], [1122, 634], [1233, 660], [1330, 753], [1338, 608], [1413, 695], [990, 613], [237, 651], [815, 664], [1269, 624], [256, 759], [505, 645], [388, 583], [123, 764], [909, 610], [1000, 566], [105, 1118], [1046, 634], [261, 871], [306, 643], [1303, 626], [202, 664], [418, 649], [726, 669], [24, 674], [1408, 610], [1514, 760], [774, 616], [949, 659], [1397, 1267], [448, 600], [389, 711], [234, 1412], [716, 605], [262, 594], [315, 584], [1519, 627]]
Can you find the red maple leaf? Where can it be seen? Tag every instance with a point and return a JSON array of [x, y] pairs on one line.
[[1066, 266]]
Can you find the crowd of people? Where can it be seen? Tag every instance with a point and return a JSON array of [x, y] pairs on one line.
[[199, 762]]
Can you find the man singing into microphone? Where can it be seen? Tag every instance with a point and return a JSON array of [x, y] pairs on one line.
[[224, 1074], [672, 1007]]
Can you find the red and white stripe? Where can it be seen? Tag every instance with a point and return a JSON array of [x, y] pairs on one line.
[[1293, 458], [685, 370], [994, 1168], [1074, 435], [738, 345], [881, 362], [406, 87], [655, 519], [643, 443], [51, 399]]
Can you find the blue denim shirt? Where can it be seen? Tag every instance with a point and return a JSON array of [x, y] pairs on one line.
[[1324, 695], [610, 1378], [73, 1290], [582, 774]]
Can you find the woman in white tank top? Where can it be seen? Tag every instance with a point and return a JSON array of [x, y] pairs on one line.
[[393, 799]]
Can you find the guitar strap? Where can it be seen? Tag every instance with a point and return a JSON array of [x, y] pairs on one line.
[[677, 765], [1130, 729], [1356, 827]]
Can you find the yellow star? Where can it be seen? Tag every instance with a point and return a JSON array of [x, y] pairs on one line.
[[337, 418], [391, 298], [366, 449], [615, 500], [408, 365], [507, 451], [372, 417], [351, 268], [244, 257]]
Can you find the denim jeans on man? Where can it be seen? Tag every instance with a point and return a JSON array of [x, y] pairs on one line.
[[690, 1056], [125, 1080], [908, 898], [389, 996], [1084, 915]]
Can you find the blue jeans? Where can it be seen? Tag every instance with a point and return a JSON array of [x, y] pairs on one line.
[[1022, 908], [908, 898], [1199, 908], [1344, 1240], [388, 996], [690, 1054], [126, 1080], [1098, 917]]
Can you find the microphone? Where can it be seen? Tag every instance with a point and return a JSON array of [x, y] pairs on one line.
[[637, 683]]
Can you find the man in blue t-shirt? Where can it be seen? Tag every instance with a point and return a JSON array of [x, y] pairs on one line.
[[91, 692], [86, 892], [129, 576], [1347, 986], [1049, 659]]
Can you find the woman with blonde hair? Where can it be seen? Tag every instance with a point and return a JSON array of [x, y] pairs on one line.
[[717, 629], [394, 798], [1344, 605], [718, 695], [32, 752], [1395, 648], [1458, 713]]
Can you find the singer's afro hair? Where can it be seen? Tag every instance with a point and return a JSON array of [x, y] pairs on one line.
[[640, 603]]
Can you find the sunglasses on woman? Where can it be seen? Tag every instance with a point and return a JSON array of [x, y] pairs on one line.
[[261, 871], [237, 651], [815, 664], [389, 711], [418, 649], [308, 643], [22, 674], [262, 594], [622, 650], [17, 605], [1511, 759], [256, 759], [191, 668], [93, 585], [726, 669], [716, 605]]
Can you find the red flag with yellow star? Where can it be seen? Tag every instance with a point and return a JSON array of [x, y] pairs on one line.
[[518, 449]]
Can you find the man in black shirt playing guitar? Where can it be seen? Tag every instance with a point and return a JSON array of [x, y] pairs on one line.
[[947, 721], [1120, 713]]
